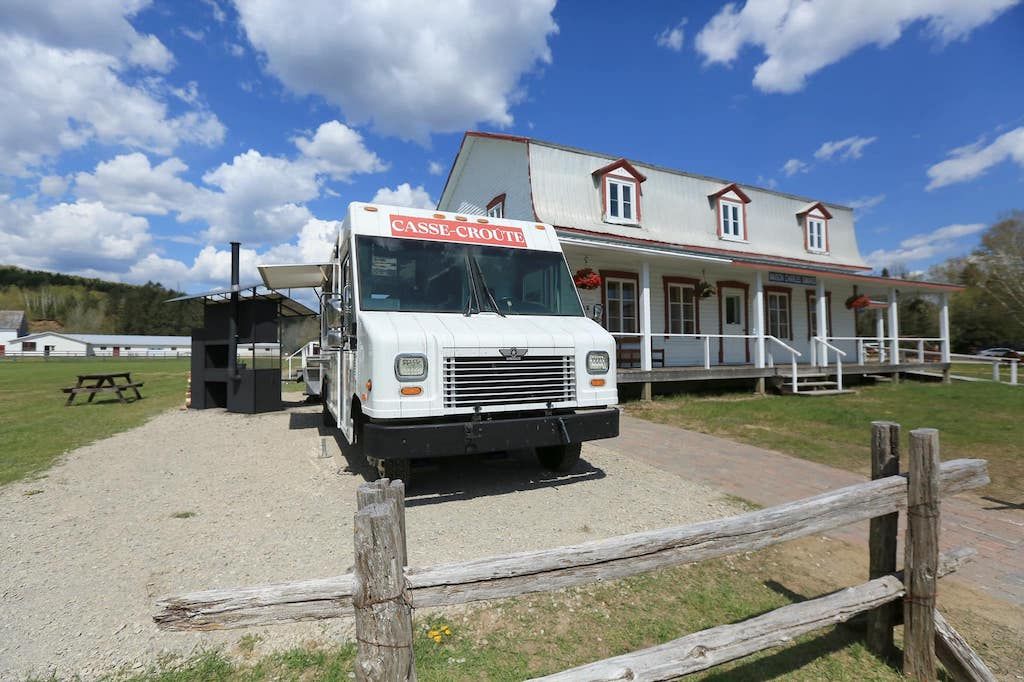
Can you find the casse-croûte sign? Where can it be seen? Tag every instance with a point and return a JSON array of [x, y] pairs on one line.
[[412, 227], [787, 278]]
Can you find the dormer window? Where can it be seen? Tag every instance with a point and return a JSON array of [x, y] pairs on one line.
[[496, 207], [815, 219], [620, 199], [619, 183], [730, 204], [732, 220]]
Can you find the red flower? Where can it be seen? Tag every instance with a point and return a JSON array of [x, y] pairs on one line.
[[586, 278]]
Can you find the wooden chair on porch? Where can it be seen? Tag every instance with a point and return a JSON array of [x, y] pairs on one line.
[[627, 353]]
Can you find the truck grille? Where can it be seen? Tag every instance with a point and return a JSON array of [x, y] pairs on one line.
[[472, 381]]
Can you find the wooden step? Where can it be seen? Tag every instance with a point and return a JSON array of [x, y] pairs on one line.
[[877, 377], [822, 392], [801, 384]]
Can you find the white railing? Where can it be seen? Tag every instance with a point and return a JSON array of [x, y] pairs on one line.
[[882, 345], [291, 376], [840, 354], [125, 355], [793, 355], [997, 363], [706, 339]]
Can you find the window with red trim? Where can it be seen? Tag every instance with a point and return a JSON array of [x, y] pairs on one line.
[[496, 207]]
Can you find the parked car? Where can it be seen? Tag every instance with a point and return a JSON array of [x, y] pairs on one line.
[[1000, 353]]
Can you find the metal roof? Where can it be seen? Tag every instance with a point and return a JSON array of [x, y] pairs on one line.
[[289, 306], [11, 319], [116, 339], [294, 275]]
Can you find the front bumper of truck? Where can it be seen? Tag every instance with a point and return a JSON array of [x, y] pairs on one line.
[[448, 439]]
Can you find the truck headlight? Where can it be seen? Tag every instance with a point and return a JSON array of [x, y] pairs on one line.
[[411, 367], [597, 362]]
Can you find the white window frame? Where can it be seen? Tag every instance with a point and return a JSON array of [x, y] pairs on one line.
[[737, 220], [774, 323], [821, 223], [621, 182], [619, 322], [497, 211], [677, 310]]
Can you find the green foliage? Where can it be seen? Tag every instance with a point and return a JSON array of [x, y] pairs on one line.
[[37, 428], [83, 304]]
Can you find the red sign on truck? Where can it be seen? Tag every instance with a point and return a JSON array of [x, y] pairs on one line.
[[455, 231]]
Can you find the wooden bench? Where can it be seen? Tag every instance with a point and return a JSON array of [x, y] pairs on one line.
[[103, 383], [627, 354]]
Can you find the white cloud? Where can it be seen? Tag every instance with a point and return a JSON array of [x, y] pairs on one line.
[[921, 247], [672, 37], [865, 204], [967, 163], [218, 12], [845, 149], [404, 195], [129, 183], [435, 168], [339, 151], [410, 68], [52, 185], [801, 37], [78, 237], [149, 52], [63, 84], [794, 166]]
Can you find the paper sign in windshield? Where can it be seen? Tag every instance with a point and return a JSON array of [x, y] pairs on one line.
[[411, 227]]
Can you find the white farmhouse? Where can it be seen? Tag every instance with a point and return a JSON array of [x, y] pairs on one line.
[[700, 277], [65, 344]]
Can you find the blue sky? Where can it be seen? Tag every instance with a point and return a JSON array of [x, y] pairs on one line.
[[141, 136]]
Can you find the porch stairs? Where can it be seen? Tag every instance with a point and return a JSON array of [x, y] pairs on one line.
[[813, 385]]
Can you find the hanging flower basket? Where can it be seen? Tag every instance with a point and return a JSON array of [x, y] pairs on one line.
[[705, 290], [586, 278], [857, 302]]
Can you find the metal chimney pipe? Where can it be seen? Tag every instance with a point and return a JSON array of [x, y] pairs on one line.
[[233, 315]]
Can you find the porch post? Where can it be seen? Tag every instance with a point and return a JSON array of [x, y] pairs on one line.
[[880, 334], [894, 332], [822, 321], [759, 349], [645, 325], [944, 326]]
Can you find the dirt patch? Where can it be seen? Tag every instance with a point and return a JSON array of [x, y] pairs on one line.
[[201, 499]]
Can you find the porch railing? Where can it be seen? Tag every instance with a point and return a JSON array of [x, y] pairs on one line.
[[882, 346], [825, 346], [769, 360]]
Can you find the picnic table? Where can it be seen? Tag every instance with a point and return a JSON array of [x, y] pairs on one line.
[[103, 383]]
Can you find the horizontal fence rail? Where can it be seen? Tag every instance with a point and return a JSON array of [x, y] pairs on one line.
[[724, 643], [550, 569]]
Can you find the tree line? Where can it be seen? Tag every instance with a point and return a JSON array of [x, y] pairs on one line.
[[83, 304], [989, 311]]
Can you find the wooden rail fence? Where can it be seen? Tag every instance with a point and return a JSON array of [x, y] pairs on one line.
[[382, 592]]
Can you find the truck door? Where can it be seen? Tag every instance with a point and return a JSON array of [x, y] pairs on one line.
[[347, 368]]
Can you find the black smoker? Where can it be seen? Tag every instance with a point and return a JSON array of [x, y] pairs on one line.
[[244, 318]]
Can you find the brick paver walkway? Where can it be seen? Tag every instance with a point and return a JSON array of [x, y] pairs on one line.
[[769, 478]]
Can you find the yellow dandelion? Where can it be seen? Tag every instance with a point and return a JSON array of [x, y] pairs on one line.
[[447, 631], [433, 633]]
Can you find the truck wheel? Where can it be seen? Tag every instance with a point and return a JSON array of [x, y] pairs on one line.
[[329, 420], [560, 458], [395, 469]]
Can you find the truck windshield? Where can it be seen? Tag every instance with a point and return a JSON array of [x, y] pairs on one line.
[[410, 275]]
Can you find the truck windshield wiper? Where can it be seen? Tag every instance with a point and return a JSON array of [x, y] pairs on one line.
[[483, 283], [472, 290]]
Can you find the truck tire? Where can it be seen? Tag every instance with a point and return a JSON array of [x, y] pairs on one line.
[[560, 458]]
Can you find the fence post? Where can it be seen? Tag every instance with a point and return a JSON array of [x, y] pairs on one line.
[[383, 612], [1013, 371], [995, 371], [885, 462], [921, 558]]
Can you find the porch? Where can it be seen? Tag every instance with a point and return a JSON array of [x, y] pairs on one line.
[[684, 316]]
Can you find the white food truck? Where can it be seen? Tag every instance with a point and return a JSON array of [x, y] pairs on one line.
[[446, 334]]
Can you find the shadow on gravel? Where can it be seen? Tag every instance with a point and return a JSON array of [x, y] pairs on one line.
[[448, 479]]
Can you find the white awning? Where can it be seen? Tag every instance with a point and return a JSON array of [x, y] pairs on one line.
[[294, 276]]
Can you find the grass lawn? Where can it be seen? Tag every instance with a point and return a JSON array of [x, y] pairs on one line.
[[980, 420], [36, 428], [542, 634]]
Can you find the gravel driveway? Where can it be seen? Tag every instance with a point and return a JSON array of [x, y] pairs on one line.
[[199, 499]]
